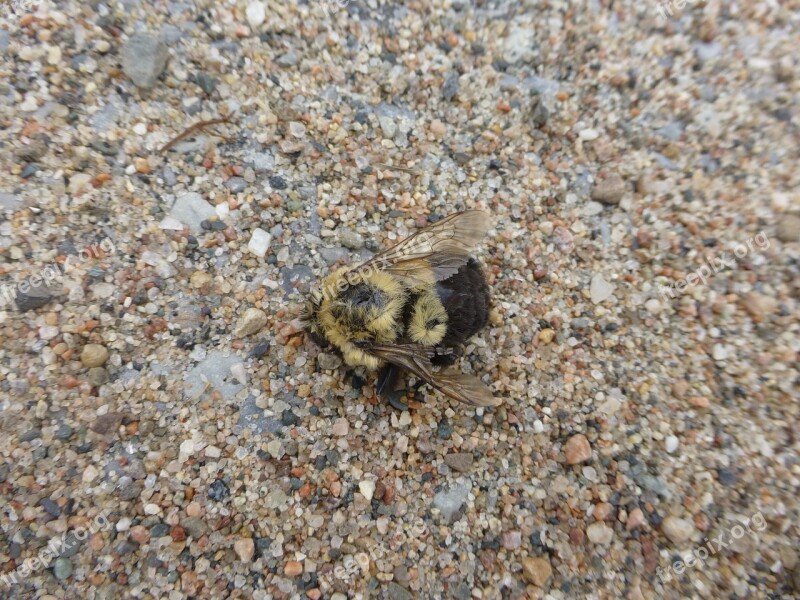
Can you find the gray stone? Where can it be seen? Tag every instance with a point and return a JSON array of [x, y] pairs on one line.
[[671, 131], [450, 500], [98, 376], [216, 369], [263, 161], [191, 209], [289, 59], [397, 592], [351, 239], [64, 432], [450, 87], [609, 190], [62, 568], [194, 526], [144, 57], [459, 461], [788, 230], [35, 297], [331, 255], [253, 417], [236, 184], [9, 201]]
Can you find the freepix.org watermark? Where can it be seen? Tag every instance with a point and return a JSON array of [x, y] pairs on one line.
[[54, 272], [698, 556], [57, 546], [714, 266], [667, 9]]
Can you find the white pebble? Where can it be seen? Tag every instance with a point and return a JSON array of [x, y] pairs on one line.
[[213, 452], [671, 444], [367, 489], [600, 289], [151, 509], [653, 306], [600, 533], [170, 223], [275, 449], [256, 13], [140, 128], [30, 104], [185, 451], [239, 373], [259, 242], [54, 55], [123, 524], [90, 474]]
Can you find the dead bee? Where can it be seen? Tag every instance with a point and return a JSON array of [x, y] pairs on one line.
[[410, 308]]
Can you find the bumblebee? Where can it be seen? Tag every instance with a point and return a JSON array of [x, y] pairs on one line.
[[410, 308]]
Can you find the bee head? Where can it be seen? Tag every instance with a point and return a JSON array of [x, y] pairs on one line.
[[363, 301]]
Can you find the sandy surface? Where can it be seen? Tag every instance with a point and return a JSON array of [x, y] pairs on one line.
[[168, 433]]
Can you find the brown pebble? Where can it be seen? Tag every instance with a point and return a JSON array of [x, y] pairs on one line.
[[603, 511], [245, 549], [140, 534], [177, 533], [107, 423], [635, 519], [536, 570], [679, 389], [94, 355], [459, 461], [293, 568], [577, 449], [609, 190]]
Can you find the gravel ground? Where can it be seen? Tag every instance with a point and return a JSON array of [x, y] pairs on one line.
[[169, 433]]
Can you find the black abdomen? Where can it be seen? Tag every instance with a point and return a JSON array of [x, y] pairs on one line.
[[465, 297]]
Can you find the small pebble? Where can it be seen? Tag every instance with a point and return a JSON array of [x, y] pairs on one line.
[[600, 533], [536, 570], [676, 529], [252, 321], [144, 57], [577, 449], [245, 549], [259, 242]]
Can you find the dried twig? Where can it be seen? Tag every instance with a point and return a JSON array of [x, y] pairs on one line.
[[199, 126], [396, 168]]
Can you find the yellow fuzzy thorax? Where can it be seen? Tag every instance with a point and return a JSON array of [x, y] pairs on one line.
[[344, 323], [428, 324]]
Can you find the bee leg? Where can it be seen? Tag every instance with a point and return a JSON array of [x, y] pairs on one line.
[[387, 379]]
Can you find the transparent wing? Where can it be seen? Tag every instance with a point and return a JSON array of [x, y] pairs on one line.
[[434, 253], [416, 359]]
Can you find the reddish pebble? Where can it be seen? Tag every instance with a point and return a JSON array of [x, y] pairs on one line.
[[177, 533], [293, 568], [140, 534]]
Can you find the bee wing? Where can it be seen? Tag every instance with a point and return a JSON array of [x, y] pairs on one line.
[[416, 359], [434, 253]]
